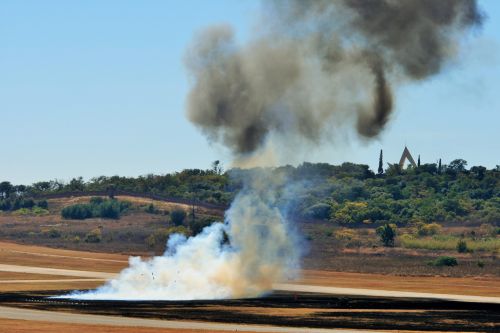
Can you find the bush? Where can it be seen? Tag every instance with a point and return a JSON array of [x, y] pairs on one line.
[[53, 233], [318, 211], [39, 211], [108, 209], [345, 234], [96, 200], [177, 216], [77, 212], [98, 207], [428, 229], [151, 209], [444, 261], [151, 240], [22, 211], [27, 203], [94, 236], [198, 224], [462, 246], [160, 236], [5, 205], [43, 204], [387, 234]]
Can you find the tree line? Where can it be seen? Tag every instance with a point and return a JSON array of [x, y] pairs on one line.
[[348, 194]]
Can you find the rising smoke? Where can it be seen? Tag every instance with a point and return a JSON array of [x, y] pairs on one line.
[[260, 250], [312, 66], [317, 65]]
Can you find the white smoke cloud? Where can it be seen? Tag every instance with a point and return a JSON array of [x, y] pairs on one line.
[[260, 252]]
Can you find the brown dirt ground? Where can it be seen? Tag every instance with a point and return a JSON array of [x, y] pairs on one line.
[[14, 276], [9, 287], [22, 326], [39, 256], [478, 286], [28, 255]]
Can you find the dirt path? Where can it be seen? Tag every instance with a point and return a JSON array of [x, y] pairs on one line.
[[55, 271], [382, 293], [72, 318]]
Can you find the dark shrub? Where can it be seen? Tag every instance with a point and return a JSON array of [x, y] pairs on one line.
[[27, 203], [5, 205], [462, 246], [53, 233], [77, 212], [151, 209], [94, 236], [96, 200], [109, 209], [387, 234], [177, 216], [43, 204], [99, 207], [197, 225], [444, 261]]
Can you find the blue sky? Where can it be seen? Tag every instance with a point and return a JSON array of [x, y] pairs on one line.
[[92, 88]]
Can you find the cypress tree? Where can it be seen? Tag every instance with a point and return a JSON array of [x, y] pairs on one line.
[[439, 166], [418, 162], [380, 163]]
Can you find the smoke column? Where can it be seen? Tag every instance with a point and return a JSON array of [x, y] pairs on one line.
[[312, 67]]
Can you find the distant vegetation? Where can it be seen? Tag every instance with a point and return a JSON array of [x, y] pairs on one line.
[[348, 194], [98, 207], [444, 261], [23, 206]]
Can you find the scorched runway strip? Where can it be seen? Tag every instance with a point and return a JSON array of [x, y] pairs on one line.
[[283, 309]]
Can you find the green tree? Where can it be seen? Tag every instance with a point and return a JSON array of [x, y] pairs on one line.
[[77, 184], [387, 234], [217, 167], [380, 163], [458, 165], [6, 189]]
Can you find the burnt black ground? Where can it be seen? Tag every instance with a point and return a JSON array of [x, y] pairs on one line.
[[327, 311]]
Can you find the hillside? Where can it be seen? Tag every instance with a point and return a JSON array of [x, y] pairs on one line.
[[349, 194], [143, 229]]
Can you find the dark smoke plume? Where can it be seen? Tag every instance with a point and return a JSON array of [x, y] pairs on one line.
[[313, 65]]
